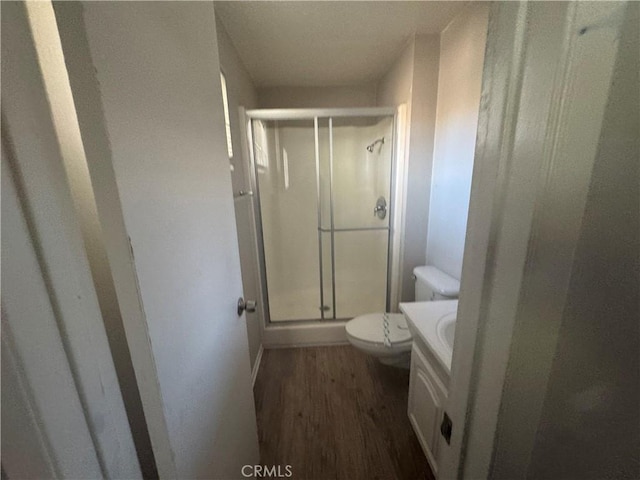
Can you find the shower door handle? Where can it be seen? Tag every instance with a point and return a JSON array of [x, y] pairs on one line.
[[380, 209]]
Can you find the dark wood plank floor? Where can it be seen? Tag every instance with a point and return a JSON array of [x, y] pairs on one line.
[[336, 413]]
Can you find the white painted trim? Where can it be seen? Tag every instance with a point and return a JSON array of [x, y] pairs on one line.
[[309, 345], [90, 112], [566, 155], [256, 366], [310, 113], [39, 384], [537, 137], [52, 326], [305, 334], [23, 430], [52, 64], [399, 205], [499, 99]]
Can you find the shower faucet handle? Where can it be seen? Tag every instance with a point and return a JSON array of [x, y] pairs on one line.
[[380, 210]]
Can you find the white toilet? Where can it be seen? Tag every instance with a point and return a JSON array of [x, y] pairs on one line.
[[367, 332]]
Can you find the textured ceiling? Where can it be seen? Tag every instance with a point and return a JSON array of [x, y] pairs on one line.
[[311, 43]]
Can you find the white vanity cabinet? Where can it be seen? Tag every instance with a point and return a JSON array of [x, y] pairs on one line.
[[429, 323], [427, 394]]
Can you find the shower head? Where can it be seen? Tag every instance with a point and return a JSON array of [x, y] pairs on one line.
[[371, 146]]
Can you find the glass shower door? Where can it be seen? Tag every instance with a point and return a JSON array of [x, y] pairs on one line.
[[324, 187], [361, 190], [285, 163]]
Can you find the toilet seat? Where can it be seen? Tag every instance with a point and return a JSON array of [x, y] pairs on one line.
[[368, 329]]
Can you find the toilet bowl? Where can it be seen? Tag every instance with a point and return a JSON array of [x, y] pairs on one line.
[[367, 333], [386, 336]]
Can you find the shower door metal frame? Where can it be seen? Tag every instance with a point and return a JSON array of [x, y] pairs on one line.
[[316, 115]]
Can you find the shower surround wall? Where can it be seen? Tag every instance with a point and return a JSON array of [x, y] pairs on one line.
[[286, 168]]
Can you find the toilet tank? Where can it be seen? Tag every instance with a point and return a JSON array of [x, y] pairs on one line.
[[433, 284]]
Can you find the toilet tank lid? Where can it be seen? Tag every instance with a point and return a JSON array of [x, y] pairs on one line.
[[438, 281]]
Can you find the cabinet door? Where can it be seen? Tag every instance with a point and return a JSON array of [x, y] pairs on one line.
[[426, 396]]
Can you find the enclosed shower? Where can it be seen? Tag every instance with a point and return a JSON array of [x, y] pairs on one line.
[[323, 189]]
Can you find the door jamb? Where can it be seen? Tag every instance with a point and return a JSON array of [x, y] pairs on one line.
[[523, 221]]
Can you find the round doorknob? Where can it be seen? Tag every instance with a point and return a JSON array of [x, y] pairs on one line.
[[249, 306]]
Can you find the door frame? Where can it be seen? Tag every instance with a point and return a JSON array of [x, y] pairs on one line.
[[535, 137], [65, 402], [90, 114]]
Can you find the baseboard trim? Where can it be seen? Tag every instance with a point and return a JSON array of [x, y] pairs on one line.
[[305, 335], [256, 366], [275, 346]]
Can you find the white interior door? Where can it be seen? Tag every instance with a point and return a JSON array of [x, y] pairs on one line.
[[146, 84]]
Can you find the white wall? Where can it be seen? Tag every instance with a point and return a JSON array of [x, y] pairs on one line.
[[413, 80], [241, 93], [317, 97], [395, 86], [462, 46], [590, 423]]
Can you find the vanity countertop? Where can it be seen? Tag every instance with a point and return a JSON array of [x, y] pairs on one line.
[[429, 320]]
